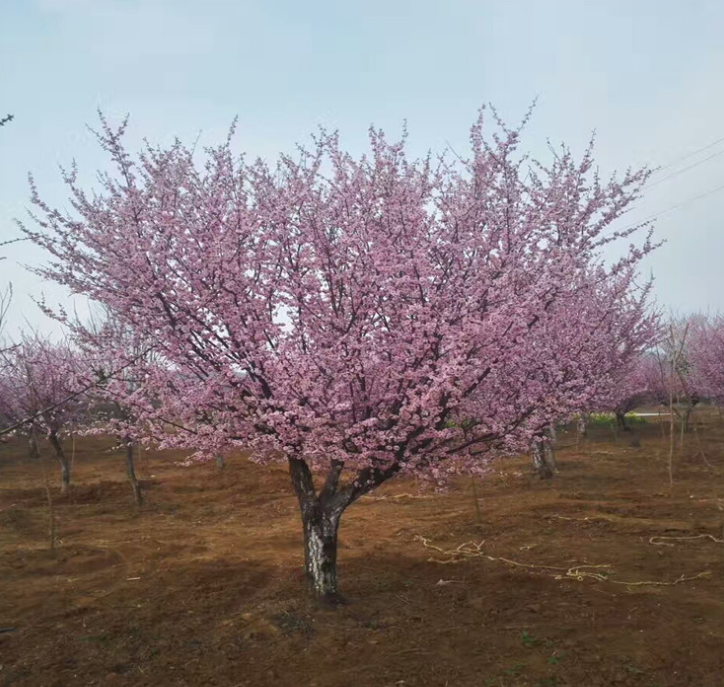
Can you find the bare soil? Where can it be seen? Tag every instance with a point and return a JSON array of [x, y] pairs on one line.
[[204, 584]]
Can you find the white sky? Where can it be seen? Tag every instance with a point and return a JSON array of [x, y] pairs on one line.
[[647, 76]]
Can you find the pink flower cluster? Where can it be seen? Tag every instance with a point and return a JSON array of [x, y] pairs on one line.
[[35, 380], [380, 312]]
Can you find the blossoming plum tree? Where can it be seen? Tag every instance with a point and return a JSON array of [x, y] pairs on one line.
[[633, 385], [338, 313], [110, 375], [35, 385], [706, 356]]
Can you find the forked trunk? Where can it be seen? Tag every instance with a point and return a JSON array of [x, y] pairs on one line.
[[135, 486], [621, 421], [321, 512], [64, 464]]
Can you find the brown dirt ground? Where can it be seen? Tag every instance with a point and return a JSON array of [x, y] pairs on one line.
[[204, 584]]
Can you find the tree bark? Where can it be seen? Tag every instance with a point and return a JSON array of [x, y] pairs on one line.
[[321, 513], [33, 443], [686, 419], [582, 426], [621, 421], [320, 551], [64, 465], [135, 486], [220, 463], [320, 520], [549, 452], [540, 462]]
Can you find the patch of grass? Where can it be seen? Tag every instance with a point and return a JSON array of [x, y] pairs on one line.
[[548, 682], [103, 638], [514, 670], [609, 419], [528, 640], [636, 420], [632, 668]]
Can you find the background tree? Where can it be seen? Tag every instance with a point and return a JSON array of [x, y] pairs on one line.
[[636, 384], [36, 387], [706, 356], [110, 373]]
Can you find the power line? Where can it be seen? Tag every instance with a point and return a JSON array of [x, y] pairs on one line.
[[688, 155], [681, 171], [674, 207]]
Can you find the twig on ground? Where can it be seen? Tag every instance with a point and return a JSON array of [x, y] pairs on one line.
[[697, 536], [397, 496], [681, 578], [470, 549]]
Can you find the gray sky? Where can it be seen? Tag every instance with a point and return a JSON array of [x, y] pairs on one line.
[[647, 76]]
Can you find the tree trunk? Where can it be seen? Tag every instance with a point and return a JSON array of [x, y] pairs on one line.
[[220, 464], [686, 419], [321, 513], [33, 443], [320, 551], [621, 421], [582, 426], [549, 452], [549, 456], [320, 520], [539, 460], [64, 465], [135, 486]]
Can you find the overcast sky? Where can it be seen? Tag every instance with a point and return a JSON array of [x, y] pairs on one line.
[[647, 76]]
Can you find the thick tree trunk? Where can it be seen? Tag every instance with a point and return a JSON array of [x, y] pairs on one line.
[[321, 513], [538, 453], [320, 520], [135, 486], [64, 465], [320, 552], [621, 421]]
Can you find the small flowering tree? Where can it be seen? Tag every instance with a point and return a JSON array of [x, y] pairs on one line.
[[35, 389], [598, 357], [338, 314], [706, 356], [110, 375], [678, 382], [635, 384]]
